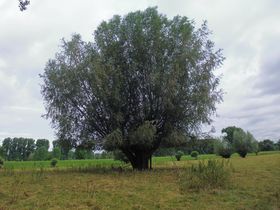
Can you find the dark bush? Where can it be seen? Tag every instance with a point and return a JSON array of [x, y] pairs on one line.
[[53, 162], [194, 154], [178, 155], [223, 148]]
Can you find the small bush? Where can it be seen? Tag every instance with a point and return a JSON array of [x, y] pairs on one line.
[[211, 174], [178, 155], [223, 148], [1, 162], [194, 154], [53, 162]]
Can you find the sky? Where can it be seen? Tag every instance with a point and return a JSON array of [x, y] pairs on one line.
[[247, 31]]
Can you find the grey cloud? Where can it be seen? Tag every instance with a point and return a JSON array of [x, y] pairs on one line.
[[269, 78]]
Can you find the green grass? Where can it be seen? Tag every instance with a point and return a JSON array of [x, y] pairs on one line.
[[61, 164], [108, 163], [255, 184]]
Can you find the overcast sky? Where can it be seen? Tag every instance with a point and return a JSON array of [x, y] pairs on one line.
[[247, 31]]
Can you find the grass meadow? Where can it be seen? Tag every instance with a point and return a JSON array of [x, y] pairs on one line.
[[99, 184]]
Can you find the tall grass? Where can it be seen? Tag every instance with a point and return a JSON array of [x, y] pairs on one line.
[[205, 175]]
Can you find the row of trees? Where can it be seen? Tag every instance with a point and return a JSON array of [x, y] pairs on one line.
[[23, 148], [208, 145], [237, 140], [28, 149]]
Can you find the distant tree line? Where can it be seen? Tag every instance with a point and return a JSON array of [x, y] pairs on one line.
[[23, 149], [203, 146], [207, 146]]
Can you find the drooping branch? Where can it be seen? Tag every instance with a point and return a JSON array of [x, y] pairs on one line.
[[23, 4]]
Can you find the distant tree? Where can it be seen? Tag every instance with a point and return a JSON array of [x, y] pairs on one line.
[[41, 153], [255, 147], [178, 155], [266, 145], [42, 143], [229, 132], [1, 151], [71, 155], [146, 81], [56, 153], [65, 146], [223, 148], [81, 153], [17, 148], [243, 142], [7, 148], [277, 145]]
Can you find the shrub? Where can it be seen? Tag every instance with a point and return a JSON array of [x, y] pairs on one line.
[[211, 174], [178, 155], [194, 154], [223, 148], [53, 162], [1, 162]]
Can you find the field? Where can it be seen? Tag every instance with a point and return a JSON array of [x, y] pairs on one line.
[[100, 184]]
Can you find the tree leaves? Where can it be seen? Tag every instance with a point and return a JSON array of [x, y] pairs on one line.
[[145, 78]]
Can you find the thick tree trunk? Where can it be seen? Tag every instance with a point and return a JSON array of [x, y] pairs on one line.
[[140, 160]]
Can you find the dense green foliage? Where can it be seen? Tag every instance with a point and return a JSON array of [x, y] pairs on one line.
[[54, 161], [56, 153], [41, 153], [240, 141], [17, 148], [266, 145], [119, 155], [229, 133], [223, 148], [243, 142], [178, 155], [145, 81], [42, 143], [194, 154]]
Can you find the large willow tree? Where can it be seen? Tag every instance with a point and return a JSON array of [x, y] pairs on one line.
[[145, 81]]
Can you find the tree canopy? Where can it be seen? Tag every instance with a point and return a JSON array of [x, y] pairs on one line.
[[145, 81]]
